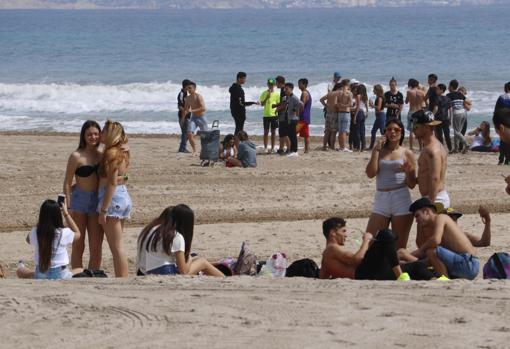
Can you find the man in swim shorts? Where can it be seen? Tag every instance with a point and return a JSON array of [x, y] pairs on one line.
[[416, 100]]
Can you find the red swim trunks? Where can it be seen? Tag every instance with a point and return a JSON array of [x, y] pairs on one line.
[[302, 129]]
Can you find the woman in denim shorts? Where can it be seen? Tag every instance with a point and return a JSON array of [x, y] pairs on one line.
[[82, 196], [114, 204]]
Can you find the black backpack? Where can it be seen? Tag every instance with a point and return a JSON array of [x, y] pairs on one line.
[[304, 268]]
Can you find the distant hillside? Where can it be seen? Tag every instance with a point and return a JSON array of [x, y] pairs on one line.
[[227, 4]]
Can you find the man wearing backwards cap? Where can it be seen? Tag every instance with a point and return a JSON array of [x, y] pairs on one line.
[[432, 160], [443, 243]]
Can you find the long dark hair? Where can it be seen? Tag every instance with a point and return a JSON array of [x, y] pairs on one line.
[[362, 90], [50, 219], [173, 219], [400, 124], [88, 124]]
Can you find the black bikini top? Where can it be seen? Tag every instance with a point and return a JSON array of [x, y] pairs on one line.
[[86, 170]]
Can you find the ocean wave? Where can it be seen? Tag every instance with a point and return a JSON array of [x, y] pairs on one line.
[[73, 99]]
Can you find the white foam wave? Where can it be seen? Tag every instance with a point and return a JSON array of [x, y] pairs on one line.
[[73, 99]]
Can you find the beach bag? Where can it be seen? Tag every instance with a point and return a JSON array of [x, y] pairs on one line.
[[277, 264], [306, 268], [497, 267], [210, 145], [246, 263]]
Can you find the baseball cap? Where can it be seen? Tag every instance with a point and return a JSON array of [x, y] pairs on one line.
[[354, 81], [424, 117], [337, 75], [271, 81], [422, 203], [454, 214]]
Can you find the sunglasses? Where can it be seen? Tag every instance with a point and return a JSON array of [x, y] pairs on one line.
[[394, 129]]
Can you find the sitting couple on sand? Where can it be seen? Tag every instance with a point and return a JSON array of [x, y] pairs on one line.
[[238, 151], [441, 245]]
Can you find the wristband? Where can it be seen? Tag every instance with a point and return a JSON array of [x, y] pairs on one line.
[[103, 211]]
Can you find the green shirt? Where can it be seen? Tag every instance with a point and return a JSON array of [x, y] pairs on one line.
[[269, 111]]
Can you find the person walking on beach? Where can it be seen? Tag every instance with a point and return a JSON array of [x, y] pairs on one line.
[[329, 101], [268, 99], [195, 106], [431, 162], [416, 99], [458, 115], [303, 128], [237, 102], [392, 197], [114, 205], [394, 101], [183, 118], [82, 166], [283, 122], [294, 107], [380, 115], [361, 113], [442, 113]]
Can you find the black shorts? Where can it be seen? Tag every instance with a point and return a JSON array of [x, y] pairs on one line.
[[270, 121], [283, 128]]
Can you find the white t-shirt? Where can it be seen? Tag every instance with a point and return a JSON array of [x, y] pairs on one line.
[[63, 238], [149, 260]]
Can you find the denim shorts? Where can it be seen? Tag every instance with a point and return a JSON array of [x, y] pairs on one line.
[[167, 269], [56, 273], [83, 201], [344, 122], [197, 122], [121, 204], [461, 266]]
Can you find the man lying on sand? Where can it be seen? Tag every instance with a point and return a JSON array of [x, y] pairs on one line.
[[485, 239], [442, 243], [376, 259]]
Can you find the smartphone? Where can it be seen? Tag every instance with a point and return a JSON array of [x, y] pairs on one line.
[[61, 199]]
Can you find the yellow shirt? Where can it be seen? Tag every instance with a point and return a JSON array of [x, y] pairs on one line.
[[269, 111]]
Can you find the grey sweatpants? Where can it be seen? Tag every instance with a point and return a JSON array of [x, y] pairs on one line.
[[458, 121]]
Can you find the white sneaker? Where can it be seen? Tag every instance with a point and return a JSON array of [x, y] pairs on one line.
[[292, 155], [347, 150], [266, 151]]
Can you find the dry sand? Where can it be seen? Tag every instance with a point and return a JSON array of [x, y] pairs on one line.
[[276, 207]]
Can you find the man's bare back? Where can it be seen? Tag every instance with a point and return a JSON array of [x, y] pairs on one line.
[[331, 101], [416, 99]]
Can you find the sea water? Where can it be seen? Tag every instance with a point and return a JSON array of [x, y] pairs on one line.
[[59, 68]]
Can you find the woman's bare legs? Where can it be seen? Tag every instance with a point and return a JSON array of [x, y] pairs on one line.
[[401, 226], [113, 230], [202, 265], [377, 222], [79, 245], [96, 236]]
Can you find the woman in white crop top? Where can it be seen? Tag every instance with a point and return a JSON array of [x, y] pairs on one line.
[[393, 166], [164, 245]]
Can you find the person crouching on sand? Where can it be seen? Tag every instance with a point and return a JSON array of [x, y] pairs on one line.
[[114, 205], [50, 240], [164, 245], [376, 259]]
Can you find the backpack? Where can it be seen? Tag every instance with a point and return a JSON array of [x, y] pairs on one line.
[[304, 268], [497, 267], [246, 262]]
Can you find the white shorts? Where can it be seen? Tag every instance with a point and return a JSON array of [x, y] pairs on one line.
[[443, 198], [392, 203]]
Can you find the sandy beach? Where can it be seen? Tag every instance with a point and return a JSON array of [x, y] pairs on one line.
[[276, 207]]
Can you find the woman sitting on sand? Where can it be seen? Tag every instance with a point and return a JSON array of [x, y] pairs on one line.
[[392, 198], [228, 148], [50, 240], [164, 245], [482, 141], [114, 202], [82, 165]]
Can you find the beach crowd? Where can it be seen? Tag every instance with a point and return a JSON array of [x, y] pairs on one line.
[[95, 202]]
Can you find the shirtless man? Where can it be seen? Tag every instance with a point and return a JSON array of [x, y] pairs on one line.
[[344, 103], [329, 101], [485, 239], [416, 99], [501, 121], [373, 261], [194, 104], [432, 160], [443, 243]]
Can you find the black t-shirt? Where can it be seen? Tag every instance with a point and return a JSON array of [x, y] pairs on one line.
[[237, 98], [457, 99], [390, 98], [443, 105], [180, 100], [432, 97]]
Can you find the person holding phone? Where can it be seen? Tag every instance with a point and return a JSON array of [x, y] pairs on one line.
[[82, 168], [394, 168], [50, 239]]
